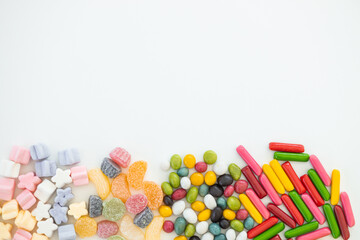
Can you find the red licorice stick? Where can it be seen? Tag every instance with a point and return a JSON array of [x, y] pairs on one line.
[[277, 237], [312, 190], [340, 217], [254, 182], [286, 147], [290, 206], [290, 172], [262, 227], [281, 215]]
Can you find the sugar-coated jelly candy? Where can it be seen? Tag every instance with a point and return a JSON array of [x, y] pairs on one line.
[[45, 190], [29, 181], [78, 209], [7, 188], [250, 161], [79, 175], [286, 147], [10, 210], [39, 152], [68, 157], [107, 228], [121, 157], [85, 227], [154, 229], [335, 187], [129, 230], [110, 168], [120, 187], [100, 181], [47, 227], [136, 203], [41, 211], [67, 232], [144, 218], [153, 193], [9, 169], [95, 206], [136, 173], [113, 209]]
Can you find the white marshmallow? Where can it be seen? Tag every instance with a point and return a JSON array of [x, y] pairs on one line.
[[45, 190]]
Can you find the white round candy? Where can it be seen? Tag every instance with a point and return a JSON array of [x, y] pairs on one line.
[[210, 202], [220, 167], [230, 234], [165, 165], [202, 227], [185, 183], [190, 215], [178, 207], [207, 236], [242, 236]]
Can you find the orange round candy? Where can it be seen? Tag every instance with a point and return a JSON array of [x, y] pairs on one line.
[[154, 194], [136, 174], [120, 187], [85, 227]]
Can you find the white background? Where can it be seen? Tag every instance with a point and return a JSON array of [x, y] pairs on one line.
[[164, 77]]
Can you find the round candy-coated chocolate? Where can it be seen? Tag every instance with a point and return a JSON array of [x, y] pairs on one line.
[[194, 238], [224, 223], [201, 167], [225, 180], [216, 190], [216, 214], [168, 201], [240, 186], [249, 223], [221, 202]]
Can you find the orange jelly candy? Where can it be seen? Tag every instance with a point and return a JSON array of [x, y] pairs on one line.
[[136, 174], [120, 187], [85, 227], [154, 194]]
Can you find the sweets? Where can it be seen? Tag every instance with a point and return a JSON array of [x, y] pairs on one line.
[[100, 181], [7, 188]]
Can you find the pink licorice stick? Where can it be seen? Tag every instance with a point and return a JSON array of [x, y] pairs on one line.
[[270, 189], [245, 155], [319, 168], [322, 232], [349, 215], [313, 208], [257, 203]]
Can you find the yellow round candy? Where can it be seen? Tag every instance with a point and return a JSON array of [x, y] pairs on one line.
[[189, 161], [198, 206], [229, 214], [204, 215], [180, 238], [210, 178], [85, 227], [165, 211], [197, 179]]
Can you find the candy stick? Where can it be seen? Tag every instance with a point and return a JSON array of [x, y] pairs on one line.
[[273, 179], [340, 217], [299, 187], [300, 230], [281, 215], [271, 232], [284, 179], [320, 186], [305, 212], [322, 232], [345, 201], [312, 190], [286, 147], [330, 218], [313, 208], [315, 162], [262, 227], [245, 155], [259, 190], [298, 157], [270, 189], [254, 213], [290, 206], [335, 187], [257, 203]]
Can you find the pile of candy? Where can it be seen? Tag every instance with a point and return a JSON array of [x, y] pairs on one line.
[[219, 205]]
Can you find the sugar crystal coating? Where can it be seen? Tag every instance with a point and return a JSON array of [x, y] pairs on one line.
[[129, 230], [136, 203], [85, 227], [113, 209], [121, 157], [107, 229], [95, 206], [100, 181], [120, 187], [110, 168], [136, 174], [154, 194], [154, 229], [144, 218], [116, 237]]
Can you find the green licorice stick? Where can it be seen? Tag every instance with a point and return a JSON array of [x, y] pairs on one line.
[[320, 186], [330, 218], [271, 232], [300, 230], [299, 203], [286, 156]]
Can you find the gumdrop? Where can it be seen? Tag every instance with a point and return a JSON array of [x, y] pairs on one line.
[[136, 203], [121, 157], [107, 229], [154, 194], [85, 227], [120, 187], [144, 218], [136, 174], [113, 209]]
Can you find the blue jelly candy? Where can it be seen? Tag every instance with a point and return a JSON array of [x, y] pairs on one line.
[[95, 206], [67, 232], [110, 168], [63, 196], [144, 218], [45, 168], [59, 213], [69, 157], [39, 152]]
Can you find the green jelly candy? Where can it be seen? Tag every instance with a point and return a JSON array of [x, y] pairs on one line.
[[304, 210], [236, 225], [113, 209], [192, 195], [179, 225], [215, 229], [286, 156], [175, 161], [116, 237], [320, 186], [221, 236], [203, 190], [189, 230], [271, 232], [235, 171], [233, 203], [166, 188], [330, 218], [174, 180], [210, 157], [300, 230], [221, 202], [183, 172]]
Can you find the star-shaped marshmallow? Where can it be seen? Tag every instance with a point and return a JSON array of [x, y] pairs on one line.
[[41, 211], [61, 177], [78, 209], [63, 196], [5, 231], [47, 227], [59, 214]]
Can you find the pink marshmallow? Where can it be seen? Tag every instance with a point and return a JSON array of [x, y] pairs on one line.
[[349, 215], [121, 157], [257, 203], [322, 232], [245, 155], [26, 199], [313, 208], [270, 189], [20, 155], [29, 181], [79, 175], [7, 188], [22, 235], [319, 168]]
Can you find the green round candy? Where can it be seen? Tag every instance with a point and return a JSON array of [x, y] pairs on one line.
[[166, 188], [221, 202], [179, 225], [233, 203], [116, 237], [189, 230], [215, 229], [175, 161], [236, 225], [210, 157], [203, 190], [235, 171], [192, 195], [113, 209], [183, 172], [174, 180]]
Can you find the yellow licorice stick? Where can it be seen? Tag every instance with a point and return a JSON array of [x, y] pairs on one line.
[[335, 187], [273, 179], [249, 206], [284, 179]]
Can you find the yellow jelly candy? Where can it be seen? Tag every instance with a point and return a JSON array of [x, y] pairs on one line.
[[25, 220], [78, 209], [198, 206], [101, 182], [5, 231], [136, 174], [85, 227], [120, 187], [165, 211], [154, 194], [210, 178], [229, 214], [129, 230], [189, 161], [154, 229], [37, 236], [204, 215], [10, 210], [197, 179]]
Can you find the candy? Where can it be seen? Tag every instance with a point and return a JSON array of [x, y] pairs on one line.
[[345, 202], [225, 180], [210, 178], [271, 232], [165, 165], [242, 236], [204, 215], [340, 217], [20, 155], [39, 152], [26, 199], [262, 227], [224, 223], [180, 224], [95, 206], [7, 188], [201, 167], [185, 183], [270, 189], [312, 190], [229, 214], [113, 209], [273, 179], [322, 232], [249, 223], [21, 234], [183, 172], [190, 215], [257, 203], [41, 211], [256, 186], [107, 229], [121, 157], [168, 201], [216, 214], [202, 227], [277, 212], [220, 168], [9, 169], [315, 162], [61, 177], [235, 171], [63, 196], [313, 208], [280, 173], [189, 230], [110, 168], [242, 214], [248, 205], [120, 187], [116, 237], [25, 220], [175, 161], [68, 157], [29, 181], [67, 232], [136, 203], [45, 168], [210, 201], [5, 231], [207, 236], [10, 210], [153, 193], [216, 190], [236, 225], [136, 174], [178, 194], [178, 207], [165, 211], [77, 210], [79, 175], [59, 214], [196, 179], [45, 190], [290, 206], [229, 191], [335, 187], [319, 185], [203, 189], [129, 230], [154, 229], [168, 226], [233, 203], [210, 157], [299, 203], [85, 227], [215, 229], [300, 230], [230, 234], [189, 161], [245, 155], [286, 147], [100, 181], [192, 195], [285, 156], [299, 187], [330, 218], [37, 236], [240, 186]]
